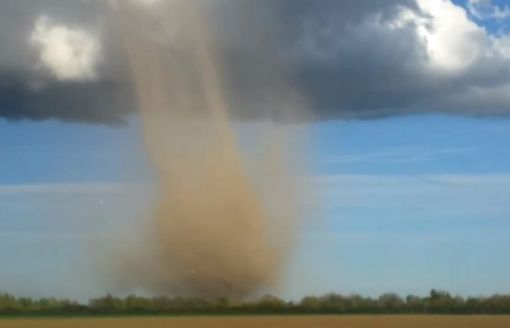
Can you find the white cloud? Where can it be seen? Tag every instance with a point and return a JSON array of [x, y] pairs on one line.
[[502, 45], [67, 188], [69, 53], [453, 196], [501, 13], [146, 2], [451, 39], [476, 7], [399, 155], [485, 9]]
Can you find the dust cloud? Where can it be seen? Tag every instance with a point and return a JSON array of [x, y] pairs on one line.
[[224, 222]]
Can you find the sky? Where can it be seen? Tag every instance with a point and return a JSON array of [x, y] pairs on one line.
[[407, 204], [408, 152]]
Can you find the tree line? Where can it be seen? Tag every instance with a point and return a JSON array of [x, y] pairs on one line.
[[437, 302]]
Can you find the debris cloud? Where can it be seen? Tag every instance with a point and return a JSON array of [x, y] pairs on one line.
[[224, 222]]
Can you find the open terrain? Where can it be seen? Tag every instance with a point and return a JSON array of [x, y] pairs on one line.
[[268, 322]]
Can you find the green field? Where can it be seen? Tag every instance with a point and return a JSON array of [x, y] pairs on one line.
[[269, 322]]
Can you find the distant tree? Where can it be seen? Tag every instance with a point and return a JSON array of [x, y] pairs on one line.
[[270, 303], [415, 304], [107, 304], [391, 303], [437, 302]]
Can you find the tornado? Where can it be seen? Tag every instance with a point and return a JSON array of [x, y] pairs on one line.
[[224, 220]]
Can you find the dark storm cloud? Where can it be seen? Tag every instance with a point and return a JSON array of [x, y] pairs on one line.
[[350, 59], [29, 92], [351, 64], [324, 49], [101, 101]]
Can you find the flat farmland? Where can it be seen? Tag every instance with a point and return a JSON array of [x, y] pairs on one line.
[[268, 322]]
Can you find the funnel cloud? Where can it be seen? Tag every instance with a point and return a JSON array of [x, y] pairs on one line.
[[219, 229]]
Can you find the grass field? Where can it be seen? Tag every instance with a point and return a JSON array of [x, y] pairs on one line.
[[269, 322]]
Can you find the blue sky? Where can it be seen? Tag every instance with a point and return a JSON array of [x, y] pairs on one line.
[[407, 204], [483, 15]]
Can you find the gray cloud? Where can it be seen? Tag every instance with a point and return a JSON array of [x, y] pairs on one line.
[[351, 59], [100, 101]]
